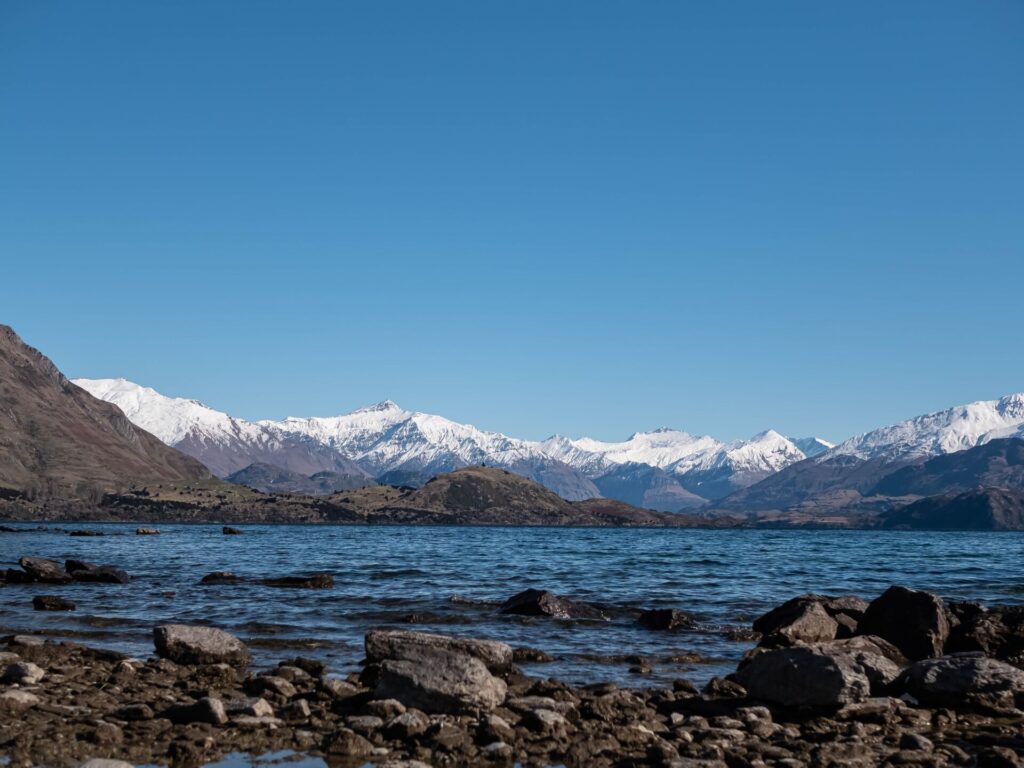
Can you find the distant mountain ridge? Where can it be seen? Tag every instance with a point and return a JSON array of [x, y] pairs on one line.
[[408, 448]]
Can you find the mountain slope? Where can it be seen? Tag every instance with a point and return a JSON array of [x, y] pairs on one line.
[[985, 509], [268, 478], [850, 471], [221, 442], [645, 486], [999, 463], [57, 439]]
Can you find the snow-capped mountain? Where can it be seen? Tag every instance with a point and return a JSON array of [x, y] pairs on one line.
[[408, 447], [223, 443], [934, 434]]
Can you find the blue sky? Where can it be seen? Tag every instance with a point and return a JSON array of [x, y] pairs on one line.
[[584, 218]]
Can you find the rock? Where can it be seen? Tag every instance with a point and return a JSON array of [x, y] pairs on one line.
[[296, 710], [205, 710], [399, 645], [805, 677], [497, 752], [16, 577], [666, 618], [46, 571], [15, 701], [104, 574], [800, 620], [272, 684], [338, 689], [147, 532], [185, 644], [874, 659], [721, 688], [134, 713], [915, 622], [227, 530], [256, 708], [385, 709], [440, 681], [523, 655], [220, 577], [407, 725], [97, 762], [22, 673], [535, 602], [51, 603], [84, 532], [952, 681], [916, 741], [546, 722], [313, 581], [347, 743]]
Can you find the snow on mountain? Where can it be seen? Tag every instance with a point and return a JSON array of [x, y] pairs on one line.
[[948, 431], [403, 446], [811, 446], [223, 443]]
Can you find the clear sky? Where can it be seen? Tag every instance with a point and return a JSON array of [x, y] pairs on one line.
[[537, 217]]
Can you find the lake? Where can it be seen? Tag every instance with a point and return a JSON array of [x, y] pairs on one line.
[[451, 579]]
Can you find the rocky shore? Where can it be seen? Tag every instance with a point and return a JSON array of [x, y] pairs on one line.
[[905, 679]]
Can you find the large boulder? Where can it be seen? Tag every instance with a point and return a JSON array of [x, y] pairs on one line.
[[397, 645], [186, 644], [440, 682], [968, 678], [536, 602], [997, 632], [46, 571], [915, 622], [804, 676]]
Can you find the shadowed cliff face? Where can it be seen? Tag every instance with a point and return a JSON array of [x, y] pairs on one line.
[[984, 509], [56, 439]]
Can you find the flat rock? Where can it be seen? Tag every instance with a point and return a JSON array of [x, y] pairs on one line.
[[186, 644], [952, 681], [15, 701], [440, 681], [398, 645], [103, 574], [205, 710], [220, 577], [97, 762]]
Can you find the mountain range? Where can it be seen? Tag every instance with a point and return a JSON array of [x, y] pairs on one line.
[[668, 470]]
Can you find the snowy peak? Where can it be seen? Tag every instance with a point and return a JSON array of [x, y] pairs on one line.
[[933, 434]]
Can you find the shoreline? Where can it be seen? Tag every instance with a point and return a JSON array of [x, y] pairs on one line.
[[939, 684]]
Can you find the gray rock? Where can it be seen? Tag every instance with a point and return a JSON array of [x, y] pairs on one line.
[[103, 574], [407, 725], [46, 571], [51, 603], [953, 681], [22, 673], [398, 645], [15, 701], [97, 762], [439, 681], [205, 710], [805, 677], [915, 622], [186, 644]]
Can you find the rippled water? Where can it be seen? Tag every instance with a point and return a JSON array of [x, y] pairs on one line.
[[453, 578]]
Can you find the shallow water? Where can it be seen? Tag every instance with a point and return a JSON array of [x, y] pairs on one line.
[[453, 578]]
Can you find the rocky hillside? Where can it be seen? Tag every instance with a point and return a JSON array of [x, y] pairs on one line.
[[272, 479], [984, 509], [58, 440]]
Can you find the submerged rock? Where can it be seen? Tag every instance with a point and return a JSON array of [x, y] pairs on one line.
[[51, 603], [147, 532], [666, 618], [106, 574], [220, 577], [536, 602], [227, 530], [186, 644], [313, 581]]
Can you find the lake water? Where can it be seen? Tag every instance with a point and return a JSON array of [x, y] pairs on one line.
[[452, 579]]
